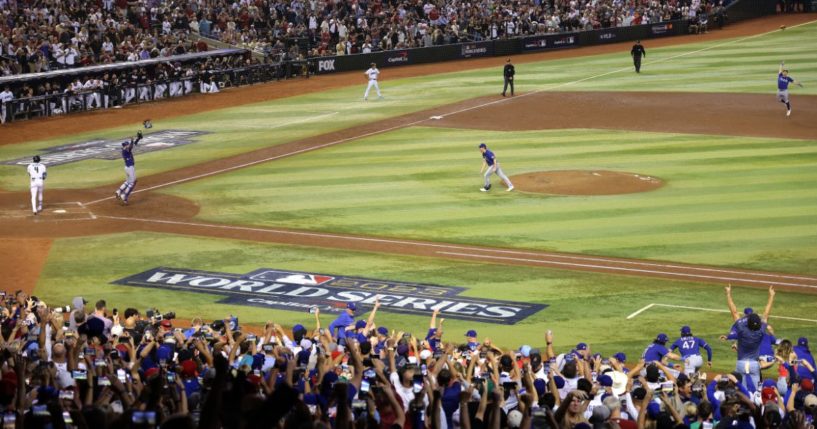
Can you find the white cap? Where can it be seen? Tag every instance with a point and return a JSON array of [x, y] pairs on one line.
[[514, 419], [425, 354]]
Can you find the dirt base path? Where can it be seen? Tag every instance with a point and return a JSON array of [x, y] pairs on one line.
[[27, 257], [58, 126], [754, 115]]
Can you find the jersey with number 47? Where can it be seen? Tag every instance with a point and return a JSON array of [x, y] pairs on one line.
[[689, 346]]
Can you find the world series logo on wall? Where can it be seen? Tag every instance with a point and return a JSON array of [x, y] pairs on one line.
[[299, 291]]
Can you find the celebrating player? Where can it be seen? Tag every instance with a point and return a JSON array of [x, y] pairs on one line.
[[125, 190], [37, 173], [372, 74], [690, 348], [489, 160], [783, 81]]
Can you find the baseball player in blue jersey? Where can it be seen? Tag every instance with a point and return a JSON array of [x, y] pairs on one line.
[[783, 81], [657, 351], [690, 348], [127, 186], [489, 160]]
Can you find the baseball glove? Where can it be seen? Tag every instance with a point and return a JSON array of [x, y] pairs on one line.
[[139, 134]]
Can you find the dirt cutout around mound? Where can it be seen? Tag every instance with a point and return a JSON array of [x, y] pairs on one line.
[[585, 182]]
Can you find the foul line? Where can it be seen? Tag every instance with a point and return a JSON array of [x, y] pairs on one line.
[[371, 133], [455, 247], [627, 270], [712, 310]]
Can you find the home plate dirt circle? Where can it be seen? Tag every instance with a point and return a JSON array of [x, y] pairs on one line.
[[585, 182]]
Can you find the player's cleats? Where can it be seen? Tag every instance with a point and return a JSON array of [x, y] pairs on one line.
[[788, 112], [509, 189], [483, 189], [116, 194]]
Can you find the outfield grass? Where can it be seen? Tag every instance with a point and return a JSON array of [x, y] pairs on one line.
[[735, 201], [734, 65], [582, 306]]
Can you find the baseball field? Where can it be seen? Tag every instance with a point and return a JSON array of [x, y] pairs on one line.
[[638, 196]]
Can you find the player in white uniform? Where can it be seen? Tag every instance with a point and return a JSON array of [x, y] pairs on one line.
[[37, 173], [372, 74]]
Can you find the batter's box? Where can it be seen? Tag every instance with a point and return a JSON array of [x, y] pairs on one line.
[[53, 212]]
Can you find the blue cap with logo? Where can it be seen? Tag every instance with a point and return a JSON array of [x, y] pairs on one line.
[[483, 146], [621, 357], [360, 324], [662, 338], [748, 310], [802, 342], [471, 333], [581, 346], [382, 330], [351, 306], [686, 330]]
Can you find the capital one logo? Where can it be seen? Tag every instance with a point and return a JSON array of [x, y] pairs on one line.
[[401, 57], [326, 65]]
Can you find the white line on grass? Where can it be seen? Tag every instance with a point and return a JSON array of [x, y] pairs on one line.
[[450, 247], [712, 310], [212, 173], [628, 270], [285, 124]]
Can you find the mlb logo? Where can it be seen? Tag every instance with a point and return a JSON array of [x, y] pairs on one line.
[[301, 279]]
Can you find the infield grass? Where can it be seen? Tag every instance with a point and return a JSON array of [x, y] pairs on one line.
[[737, 201], [582, 306]]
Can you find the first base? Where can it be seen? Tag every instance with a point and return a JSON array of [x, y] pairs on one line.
[[436, 118]]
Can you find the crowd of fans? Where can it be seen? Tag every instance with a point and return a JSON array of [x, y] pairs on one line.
[[103, 90], [43, 35], [88, 366]]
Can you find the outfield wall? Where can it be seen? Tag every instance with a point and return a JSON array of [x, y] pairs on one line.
[[324, 65]]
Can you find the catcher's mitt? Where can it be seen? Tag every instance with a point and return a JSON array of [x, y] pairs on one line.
[[139, 134]]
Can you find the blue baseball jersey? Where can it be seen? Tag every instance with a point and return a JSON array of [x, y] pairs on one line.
[[489, 157], [691, 346], [767, 345], [654, 352], [748, 340], [783, 82], [127, 155], [433, 342]]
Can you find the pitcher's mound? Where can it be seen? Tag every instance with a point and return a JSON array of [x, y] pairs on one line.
[[585, 182]]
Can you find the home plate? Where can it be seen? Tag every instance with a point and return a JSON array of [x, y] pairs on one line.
[[436, 118], [60, 211]]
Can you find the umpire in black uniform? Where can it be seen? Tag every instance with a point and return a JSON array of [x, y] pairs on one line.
[[508, 73], [637, 52]]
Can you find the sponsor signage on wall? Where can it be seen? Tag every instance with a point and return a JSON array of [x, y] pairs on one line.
[[299, 291], [109, 149], [397, 58]]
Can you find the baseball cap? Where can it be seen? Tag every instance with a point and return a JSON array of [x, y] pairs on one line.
[[124, 144], [360, 324], [382, 331], [748, 310], [581, 346], [166, 323], [768, 394], [754, 322], [686, 330], [605, 380], [802, 341], [514, 419], [810, 401], [621, 357], [471, 333], [525, 350], [662, 338], [482, 145], [807, 384], [619, 382], [654, 410], [151, 372], [351, 306], [769, 383], [540, 385], [425, 354], [560, 382]]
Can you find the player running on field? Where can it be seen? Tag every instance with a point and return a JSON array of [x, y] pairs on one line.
[[783, 81], [37, 173], [690, 348], [125, 190], [489, 160]]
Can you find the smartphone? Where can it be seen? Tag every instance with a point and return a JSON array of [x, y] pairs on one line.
[[79, 374], [418, 383], [364, 386], [67, 394], [90, 351], [66, 418], [138, 417], [122, 375], [171, 377], [103, 381], [667, 388], [424, 370]]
